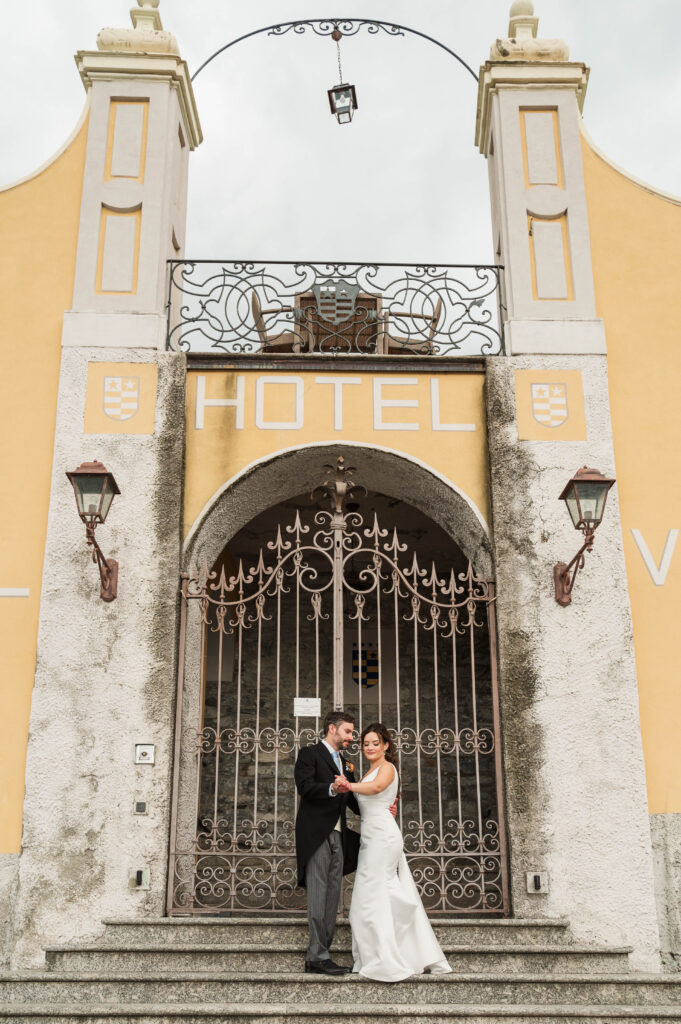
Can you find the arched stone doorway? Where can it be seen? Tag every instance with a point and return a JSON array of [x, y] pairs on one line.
[[352, 597]]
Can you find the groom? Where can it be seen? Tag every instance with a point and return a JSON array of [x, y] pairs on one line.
[[324, 850]]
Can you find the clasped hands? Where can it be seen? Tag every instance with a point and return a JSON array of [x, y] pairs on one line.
[[342, 785]]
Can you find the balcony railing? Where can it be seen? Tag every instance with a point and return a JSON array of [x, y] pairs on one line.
[[389, 309]]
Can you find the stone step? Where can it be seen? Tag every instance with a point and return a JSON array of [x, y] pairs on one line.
[[289, 957], [248, 987], [359, 1013], [458, 931]]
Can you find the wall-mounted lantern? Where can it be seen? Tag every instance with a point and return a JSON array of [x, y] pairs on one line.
[[342, 98], [585, 496], [95, 489]]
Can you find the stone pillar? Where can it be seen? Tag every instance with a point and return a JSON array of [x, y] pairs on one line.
[[105, 677], [575, 781]]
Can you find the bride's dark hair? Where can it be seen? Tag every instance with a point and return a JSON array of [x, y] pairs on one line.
[[385, 737]]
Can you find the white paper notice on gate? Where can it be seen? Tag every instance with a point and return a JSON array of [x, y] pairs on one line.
[[307, 707]]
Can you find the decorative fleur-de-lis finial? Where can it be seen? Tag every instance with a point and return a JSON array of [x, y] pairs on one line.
[[341, 487]]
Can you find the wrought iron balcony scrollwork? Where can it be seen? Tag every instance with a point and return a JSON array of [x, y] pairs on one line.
[[334, 308]]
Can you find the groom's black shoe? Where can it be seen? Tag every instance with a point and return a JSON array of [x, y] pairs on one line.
[[325, 967]]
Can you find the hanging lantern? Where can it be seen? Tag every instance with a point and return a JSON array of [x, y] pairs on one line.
[[343, 101], [342, 98]]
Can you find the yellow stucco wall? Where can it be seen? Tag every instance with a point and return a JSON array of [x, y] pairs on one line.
[[636, 248], [38, 226], [218, 449]]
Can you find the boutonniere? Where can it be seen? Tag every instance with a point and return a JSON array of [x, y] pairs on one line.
[[350, 766]]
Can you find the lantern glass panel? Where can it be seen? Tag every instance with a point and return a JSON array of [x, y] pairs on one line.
[[107, 498], [591, 497], [88, 488], [573, 506], [343, 101]]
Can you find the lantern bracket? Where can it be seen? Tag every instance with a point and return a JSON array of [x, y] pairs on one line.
[[564, 575], [108, 567]]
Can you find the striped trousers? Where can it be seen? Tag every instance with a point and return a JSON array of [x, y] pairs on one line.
[[323, 878]]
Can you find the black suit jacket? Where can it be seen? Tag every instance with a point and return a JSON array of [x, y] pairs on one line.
[[318, 812]]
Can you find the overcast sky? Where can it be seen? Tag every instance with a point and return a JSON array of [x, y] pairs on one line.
[[276, 177]]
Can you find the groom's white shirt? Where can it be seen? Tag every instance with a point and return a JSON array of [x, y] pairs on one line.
[[333, 753]]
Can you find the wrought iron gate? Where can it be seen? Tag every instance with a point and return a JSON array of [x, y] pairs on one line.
[[340, 612]]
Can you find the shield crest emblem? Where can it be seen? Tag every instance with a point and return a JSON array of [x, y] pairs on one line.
[[335, 300], [121, 397], [550, 404], [365, 663]]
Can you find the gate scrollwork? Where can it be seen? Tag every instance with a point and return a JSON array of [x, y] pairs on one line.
[[345, 614]]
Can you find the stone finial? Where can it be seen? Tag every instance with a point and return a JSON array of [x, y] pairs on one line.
[[522, 23], [148, 17], [522, 43], [147, 35]]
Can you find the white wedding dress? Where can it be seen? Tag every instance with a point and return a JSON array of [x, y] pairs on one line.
[[391, 934]]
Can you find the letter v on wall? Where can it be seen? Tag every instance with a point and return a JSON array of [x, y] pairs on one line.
[[658, 573]]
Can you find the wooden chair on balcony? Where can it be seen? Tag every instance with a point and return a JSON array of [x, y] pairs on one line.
[[287, 341], [392, 345]]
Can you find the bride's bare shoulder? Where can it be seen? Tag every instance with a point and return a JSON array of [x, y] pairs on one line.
[[383, 772]]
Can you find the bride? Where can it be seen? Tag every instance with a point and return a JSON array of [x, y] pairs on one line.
[[391, 935]]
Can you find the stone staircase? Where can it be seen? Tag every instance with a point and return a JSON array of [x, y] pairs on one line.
[[248, 970]]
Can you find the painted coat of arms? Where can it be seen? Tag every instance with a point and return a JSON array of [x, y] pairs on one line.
[[550, 404], [365, 663], [335, 300], [121, 397]]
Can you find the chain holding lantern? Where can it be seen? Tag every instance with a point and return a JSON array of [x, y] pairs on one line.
[[342, 97]]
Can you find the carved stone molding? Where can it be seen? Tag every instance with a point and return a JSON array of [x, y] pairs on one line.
[[530, 49], [137, 40]]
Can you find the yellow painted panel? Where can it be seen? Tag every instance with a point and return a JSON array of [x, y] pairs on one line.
[[562, 220], [550, 405], [114, 109], [121, 398], [269, 412], [37, 265], [107, 216], [524, 111], [636, 256]]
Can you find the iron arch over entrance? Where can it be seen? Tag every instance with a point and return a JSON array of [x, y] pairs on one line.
[[349, 599], [325, 27]]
